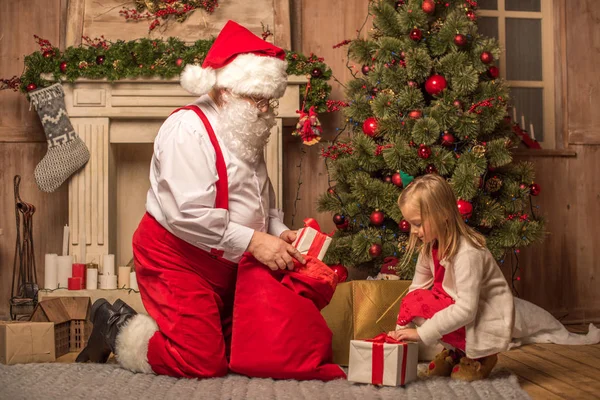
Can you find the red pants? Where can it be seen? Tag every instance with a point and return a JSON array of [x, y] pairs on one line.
[[189, 293]]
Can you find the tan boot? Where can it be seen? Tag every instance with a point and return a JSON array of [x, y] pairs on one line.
[[443, 363], [471, 370]]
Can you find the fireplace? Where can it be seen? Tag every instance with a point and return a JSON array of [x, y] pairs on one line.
[[118, 122]]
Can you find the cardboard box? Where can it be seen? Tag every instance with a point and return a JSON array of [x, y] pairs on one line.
[[380, 363], [26, 342], [312, 242], [362, 310]]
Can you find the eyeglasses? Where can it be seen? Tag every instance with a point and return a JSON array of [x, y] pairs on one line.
[[261, 103]]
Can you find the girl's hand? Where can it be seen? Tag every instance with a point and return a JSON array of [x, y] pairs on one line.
[[407, 335]]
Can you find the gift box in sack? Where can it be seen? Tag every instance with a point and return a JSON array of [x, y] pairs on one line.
[[311, 242], [383, 361]]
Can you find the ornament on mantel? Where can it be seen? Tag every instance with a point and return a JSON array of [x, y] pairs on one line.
[[424, 151], [100, 59], [465, 208], [377, 218], [416, 34], [486, 57], [471, 15], [31, 86], [460, 40], [63, 66], [375, 250], [48, 54], [179, 62], [494, 72], [435, 84], [535, 189], [316, 72], [370, 126]]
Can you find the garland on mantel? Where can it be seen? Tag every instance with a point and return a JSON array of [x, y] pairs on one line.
[[143, 58]]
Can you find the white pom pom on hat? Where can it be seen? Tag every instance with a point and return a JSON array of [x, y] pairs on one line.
[[240, 61]]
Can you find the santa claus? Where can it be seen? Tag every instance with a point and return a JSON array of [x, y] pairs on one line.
[[210, 201]]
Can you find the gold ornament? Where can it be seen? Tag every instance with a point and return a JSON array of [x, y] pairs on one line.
[[478, 150]]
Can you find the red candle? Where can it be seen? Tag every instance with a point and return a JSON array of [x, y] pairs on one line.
[[79, 271], [75, 283]]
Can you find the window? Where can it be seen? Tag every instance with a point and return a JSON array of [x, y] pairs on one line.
[[525, 31]]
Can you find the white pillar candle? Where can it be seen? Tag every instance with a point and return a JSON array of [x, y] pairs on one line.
[[514, 115], [133, 281], [108, 264], [531, 131], [65, 248], [65, 266], [91, 282], [50, 271], [123, 276], [108, 282], [523, 122]]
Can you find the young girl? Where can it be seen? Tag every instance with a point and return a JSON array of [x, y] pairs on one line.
[[458, 295]]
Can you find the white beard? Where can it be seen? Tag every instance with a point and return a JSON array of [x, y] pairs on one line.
[[244, 129]]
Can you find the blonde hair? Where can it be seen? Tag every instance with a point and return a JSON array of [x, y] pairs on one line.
[[435, 200]]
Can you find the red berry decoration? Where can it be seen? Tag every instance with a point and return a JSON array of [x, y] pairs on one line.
[[415, 114], [494, 72], [460, 40], [424, 151], [404, 226], [416, 34], [412, 84], [179, 61], [339, 219], [388, 179], [316, 73], [431, 169], [471, 15], [486, 57], [448, 139], [465, 208], [375, 250], [370, 126], [63, 66], [428, 6], [100, 60], [341, 272], [535, 189], [365, 69], [435, 84], [31, 86], [397, 179], [523, 186], [377, 218]]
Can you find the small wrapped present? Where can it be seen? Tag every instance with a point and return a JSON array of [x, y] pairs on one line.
[[311, 242], [383, 361]]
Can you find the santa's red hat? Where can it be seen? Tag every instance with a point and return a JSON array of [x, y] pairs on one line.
[[240, 61]]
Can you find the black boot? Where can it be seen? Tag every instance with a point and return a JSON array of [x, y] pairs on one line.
[[107, 324], [123, 308]]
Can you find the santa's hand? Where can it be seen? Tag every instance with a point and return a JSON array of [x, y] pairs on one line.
[[274, 252], [289, 236]]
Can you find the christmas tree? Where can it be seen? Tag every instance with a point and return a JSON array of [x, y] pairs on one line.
[[427, 100]]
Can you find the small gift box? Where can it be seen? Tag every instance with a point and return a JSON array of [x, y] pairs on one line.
[[311, 242], [383, 361]]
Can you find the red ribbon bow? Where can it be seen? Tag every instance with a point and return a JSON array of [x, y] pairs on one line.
[[377, 357]]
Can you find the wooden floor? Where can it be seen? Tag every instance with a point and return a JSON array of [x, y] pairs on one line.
[[545, 371]]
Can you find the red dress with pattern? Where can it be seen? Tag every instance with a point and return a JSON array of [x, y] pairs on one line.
[[425, 303]]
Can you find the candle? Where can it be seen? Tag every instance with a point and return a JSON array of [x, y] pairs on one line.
[[91, 282], [50, 271], [75, 283], [123, 275], [65, 249], [133, 281], [108, 282], [531, 131], [78, 271], [108, 264], [523, 122], [65, 266], [514, 114]]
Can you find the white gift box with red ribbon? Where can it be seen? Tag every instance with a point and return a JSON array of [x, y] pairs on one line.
[[311, 242], [383, 361]]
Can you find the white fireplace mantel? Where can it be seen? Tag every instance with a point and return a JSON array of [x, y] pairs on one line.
[[130, 112]]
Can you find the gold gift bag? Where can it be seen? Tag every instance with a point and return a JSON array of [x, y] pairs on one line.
[[361, 310]]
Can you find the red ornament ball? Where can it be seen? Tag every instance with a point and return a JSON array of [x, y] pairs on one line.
[[338, 219], [535, 189], [460, 40], [100, 60], [435, 84], [370, 126], [377, 218], [31, 86], [415, 114], [48, 54], [448, 139], [457, 104], [494, 72], [341, 272], [424, 151], [431, 169], [179, 61], [316, 73], [416, 34], [486, 57], [471, 15], [343, 226], [523, 186], [404, 226], [63, 66], [375, 250], [365, 69], [464, 208], [428, 6], [397, 179]]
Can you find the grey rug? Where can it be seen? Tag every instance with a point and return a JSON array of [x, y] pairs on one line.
[[106, 381]]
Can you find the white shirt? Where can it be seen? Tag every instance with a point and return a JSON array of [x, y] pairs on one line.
[[182, 191]]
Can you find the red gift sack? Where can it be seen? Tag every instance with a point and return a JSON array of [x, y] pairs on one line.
[[278, 331]]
